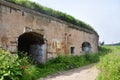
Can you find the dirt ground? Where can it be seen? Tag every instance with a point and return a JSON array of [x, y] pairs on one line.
[[89, 72]]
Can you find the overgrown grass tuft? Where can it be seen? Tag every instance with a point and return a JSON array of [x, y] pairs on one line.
[[63, 63], [109, 65], [23, 69], [51, 12]]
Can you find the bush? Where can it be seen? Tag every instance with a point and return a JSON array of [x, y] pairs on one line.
[[30, 73], [14, 68], [9, 66]]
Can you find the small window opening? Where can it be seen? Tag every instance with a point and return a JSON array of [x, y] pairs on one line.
[[72, 50]]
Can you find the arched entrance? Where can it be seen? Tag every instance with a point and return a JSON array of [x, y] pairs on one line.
[[86, 47], [33, 43]]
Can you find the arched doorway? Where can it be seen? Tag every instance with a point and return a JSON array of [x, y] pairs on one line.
[[86, 47], [33, 43]]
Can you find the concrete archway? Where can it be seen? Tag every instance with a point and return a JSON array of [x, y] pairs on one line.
[[33, 43], [86, 47]]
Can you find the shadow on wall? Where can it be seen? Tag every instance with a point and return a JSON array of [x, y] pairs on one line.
[[33, 43]]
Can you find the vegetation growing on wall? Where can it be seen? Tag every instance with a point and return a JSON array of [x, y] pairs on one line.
[[51, 12]]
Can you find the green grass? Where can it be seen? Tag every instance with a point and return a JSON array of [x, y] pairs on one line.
[[109, 65], [51, 12], [22, 69], [63, 63]]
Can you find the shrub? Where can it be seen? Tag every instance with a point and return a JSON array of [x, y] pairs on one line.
[[14, 68], [30, 73], [9, 66]]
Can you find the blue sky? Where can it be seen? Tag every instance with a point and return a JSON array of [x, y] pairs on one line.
[[102, 15]]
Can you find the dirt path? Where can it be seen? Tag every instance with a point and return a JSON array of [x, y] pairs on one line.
[[84, 73]]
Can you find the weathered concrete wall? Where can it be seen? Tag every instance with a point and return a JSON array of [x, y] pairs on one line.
[[60, 36]]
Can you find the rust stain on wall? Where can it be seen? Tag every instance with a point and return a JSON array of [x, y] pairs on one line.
[[4, 40]]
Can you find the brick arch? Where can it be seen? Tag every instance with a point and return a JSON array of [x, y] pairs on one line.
[[33, 43], [86, 47], [27, 39]]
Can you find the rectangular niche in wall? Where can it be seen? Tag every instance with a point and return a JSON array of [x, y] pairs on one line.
[[72, 50]]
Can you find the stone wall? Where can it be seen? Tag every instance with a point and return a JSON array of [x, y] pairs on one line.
[[60, 36]]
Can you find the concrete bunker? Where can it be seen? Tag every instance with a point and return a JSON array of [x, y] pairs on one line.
[[33, 43], [86, 47]]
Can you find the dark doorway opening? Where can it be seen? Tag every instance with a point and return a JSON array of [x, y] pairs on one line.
[[32, 43], [86, 47], [72, 50]]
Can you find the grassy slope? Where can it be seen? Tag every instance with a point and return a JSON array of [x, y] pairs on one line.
[[51, 12], [109, 65]]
